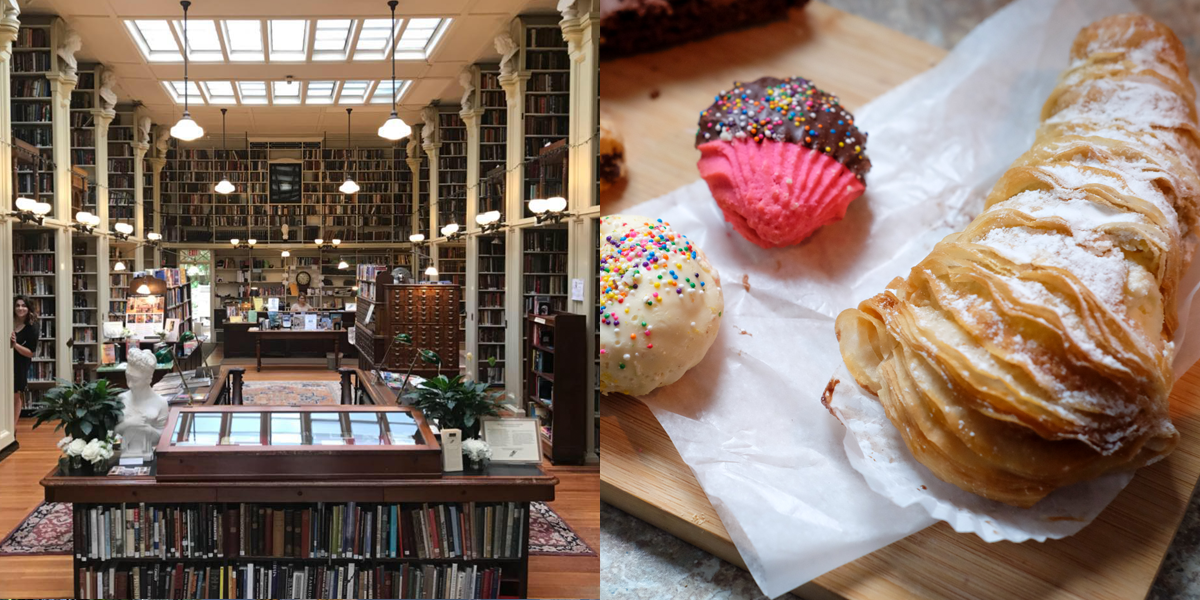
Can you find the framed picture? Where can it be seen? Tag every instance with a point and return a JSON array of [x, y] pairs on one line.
[[513, 439], [542, 305]]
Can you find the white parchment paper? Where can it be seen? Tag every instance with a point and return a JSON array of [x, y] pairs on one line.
[[748, 419]]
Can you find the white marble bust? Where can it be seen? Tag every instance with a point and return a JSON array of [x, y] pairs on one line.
[[145, 411]]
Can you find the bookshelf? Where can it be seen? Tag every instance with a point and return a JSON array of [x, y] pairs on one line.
[[85, 311], [404, 191], [547, 107], [118, 282], [33, 277], [544, 272], [83, 131], [596, 338], [31, 104], [120, 167], [493, 133], [423, 207], [147, 195], [452, 170], [452, 267], [490, 317], [556, 354]]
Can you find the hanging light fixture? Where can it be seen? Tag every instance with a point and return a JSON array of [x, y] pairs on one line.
[[285, 254], [224, 186], [394, 127], [348, 186], [342, 264], [186, 129], [431, 272], [119, 266]]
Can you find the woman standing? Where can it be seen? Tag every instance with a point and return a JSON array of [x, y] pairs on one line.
[[24, 341]]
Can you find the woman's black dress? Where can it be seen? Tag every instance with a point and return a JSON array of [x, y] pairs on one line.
[[28, 337]]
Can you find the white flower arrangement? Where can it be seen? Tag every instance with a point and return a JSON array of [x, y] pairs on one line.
[[94, 451], [477, 450]]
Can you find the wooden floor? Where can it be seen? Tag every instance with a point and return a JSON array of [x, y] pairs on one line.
[[577, 502]]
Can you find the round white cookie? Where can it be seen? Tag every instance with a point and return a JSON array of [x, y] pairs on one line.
[[661, 304]]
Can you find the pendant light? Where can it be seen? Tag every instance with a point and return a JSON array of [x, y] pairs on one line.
[[394, 128], [348, 186], [224, 186], [186, 129]]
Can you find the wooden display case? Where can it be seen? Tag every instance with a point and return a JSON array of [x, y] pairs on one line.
[[297, 442]]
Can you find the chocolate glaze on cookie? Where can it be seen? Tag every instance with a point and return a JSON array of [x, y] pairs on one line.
[[787, 110]]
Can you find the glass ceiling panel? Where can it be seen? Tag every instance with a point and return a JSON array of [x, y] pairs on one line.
[[244, 39], [286, 92], [155, 40], [320, 92], [253, 92], [175, 88], [373, 39], [332, 39], [354, 92], [289, 38], [383, 92], [204, 45], [219, 92]]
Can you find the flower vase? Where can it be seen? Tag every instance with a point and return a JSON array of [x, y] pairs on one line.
[[75, 466]]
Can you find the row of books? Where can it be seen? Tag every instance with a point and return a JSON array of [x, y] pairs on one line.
[[40, 372], [381, 167], [34, 264], [290, 581], [82, 118], [547, 60], [33, 37], [33, 134], [545, 37], [343, 153], [83, 157], [30, 62], [32, 111], [467, 531], [31, 88], [548, 82], [493, 334], [546, 263]]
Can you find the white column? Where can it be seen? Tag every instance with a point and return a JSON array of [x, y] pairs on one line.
[[61, 86], [139, 215], [471, 289], [514, 308], [156, 163], [102, 118], [8, 33], [414, 165], [583, 45]]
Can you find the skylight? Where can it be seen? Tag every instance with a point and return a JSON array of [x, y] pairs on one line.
[[204, 45], [244, 39], [253, 92], [155, 40], [383, 92], [320, 92], [332, 39], [354, 92], [374, 38], [419, 38], [175, 88], [285, 92], [289, 39], [219, 92]]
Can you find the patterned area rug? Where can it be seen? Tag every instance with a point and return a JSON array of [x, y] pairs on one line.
[[47, 530], [291, 393]]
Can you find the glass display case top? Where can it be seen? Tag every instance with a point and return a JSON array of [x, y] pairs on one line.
[[199, 428]]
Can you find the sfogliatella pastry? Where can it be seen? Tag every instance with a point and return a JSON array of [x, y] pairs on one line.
[[782, 158], [1033, 350], [612, 156], [660, 304]]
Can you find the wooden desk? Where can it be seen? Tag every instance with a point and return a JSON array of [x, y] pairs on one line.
[[297, 334]]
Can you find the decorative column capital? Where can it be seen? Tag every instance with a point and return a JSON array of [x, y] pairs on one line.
[[140, 148], [10, 24], [104, 117], [157, 163], [577, 31], [414, 165], [511, 82], [470, 116]]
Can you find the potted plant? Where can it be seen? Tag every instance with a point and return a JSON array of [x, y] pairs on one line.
[[454, 403], [427, 356], [87, 414]]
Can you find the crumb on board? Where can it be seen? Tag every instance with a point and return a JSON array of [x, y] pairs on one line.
[[744, 332], [746, 281]]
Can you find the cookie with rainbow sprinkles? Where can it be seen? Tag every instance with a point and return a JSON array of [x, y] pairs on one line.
[[660, 304]]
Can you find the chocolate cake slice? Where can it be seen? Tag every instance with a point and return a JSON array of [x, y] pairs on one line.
[[633, 26]]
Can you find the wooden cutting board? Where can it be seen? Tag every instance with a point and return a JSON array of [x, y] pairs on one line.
[[654, 101]]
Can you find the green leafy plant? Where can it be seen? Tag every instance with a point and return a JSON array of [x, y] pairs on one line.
[[454, 403], [86, 411], [427, 356]]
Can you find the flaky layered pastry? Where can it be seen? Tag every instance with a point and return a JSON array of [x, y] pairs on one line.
[[1033, 350]]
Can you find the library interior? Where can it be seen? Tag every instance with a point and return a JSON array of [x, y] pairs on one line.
[[304, 299]]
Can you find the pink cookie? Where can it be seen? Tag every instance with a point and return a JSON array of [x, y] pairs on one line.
[[781, 158]]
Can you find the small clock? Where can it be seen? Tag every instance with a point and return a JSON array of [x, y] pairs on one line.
[[303, 278]]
